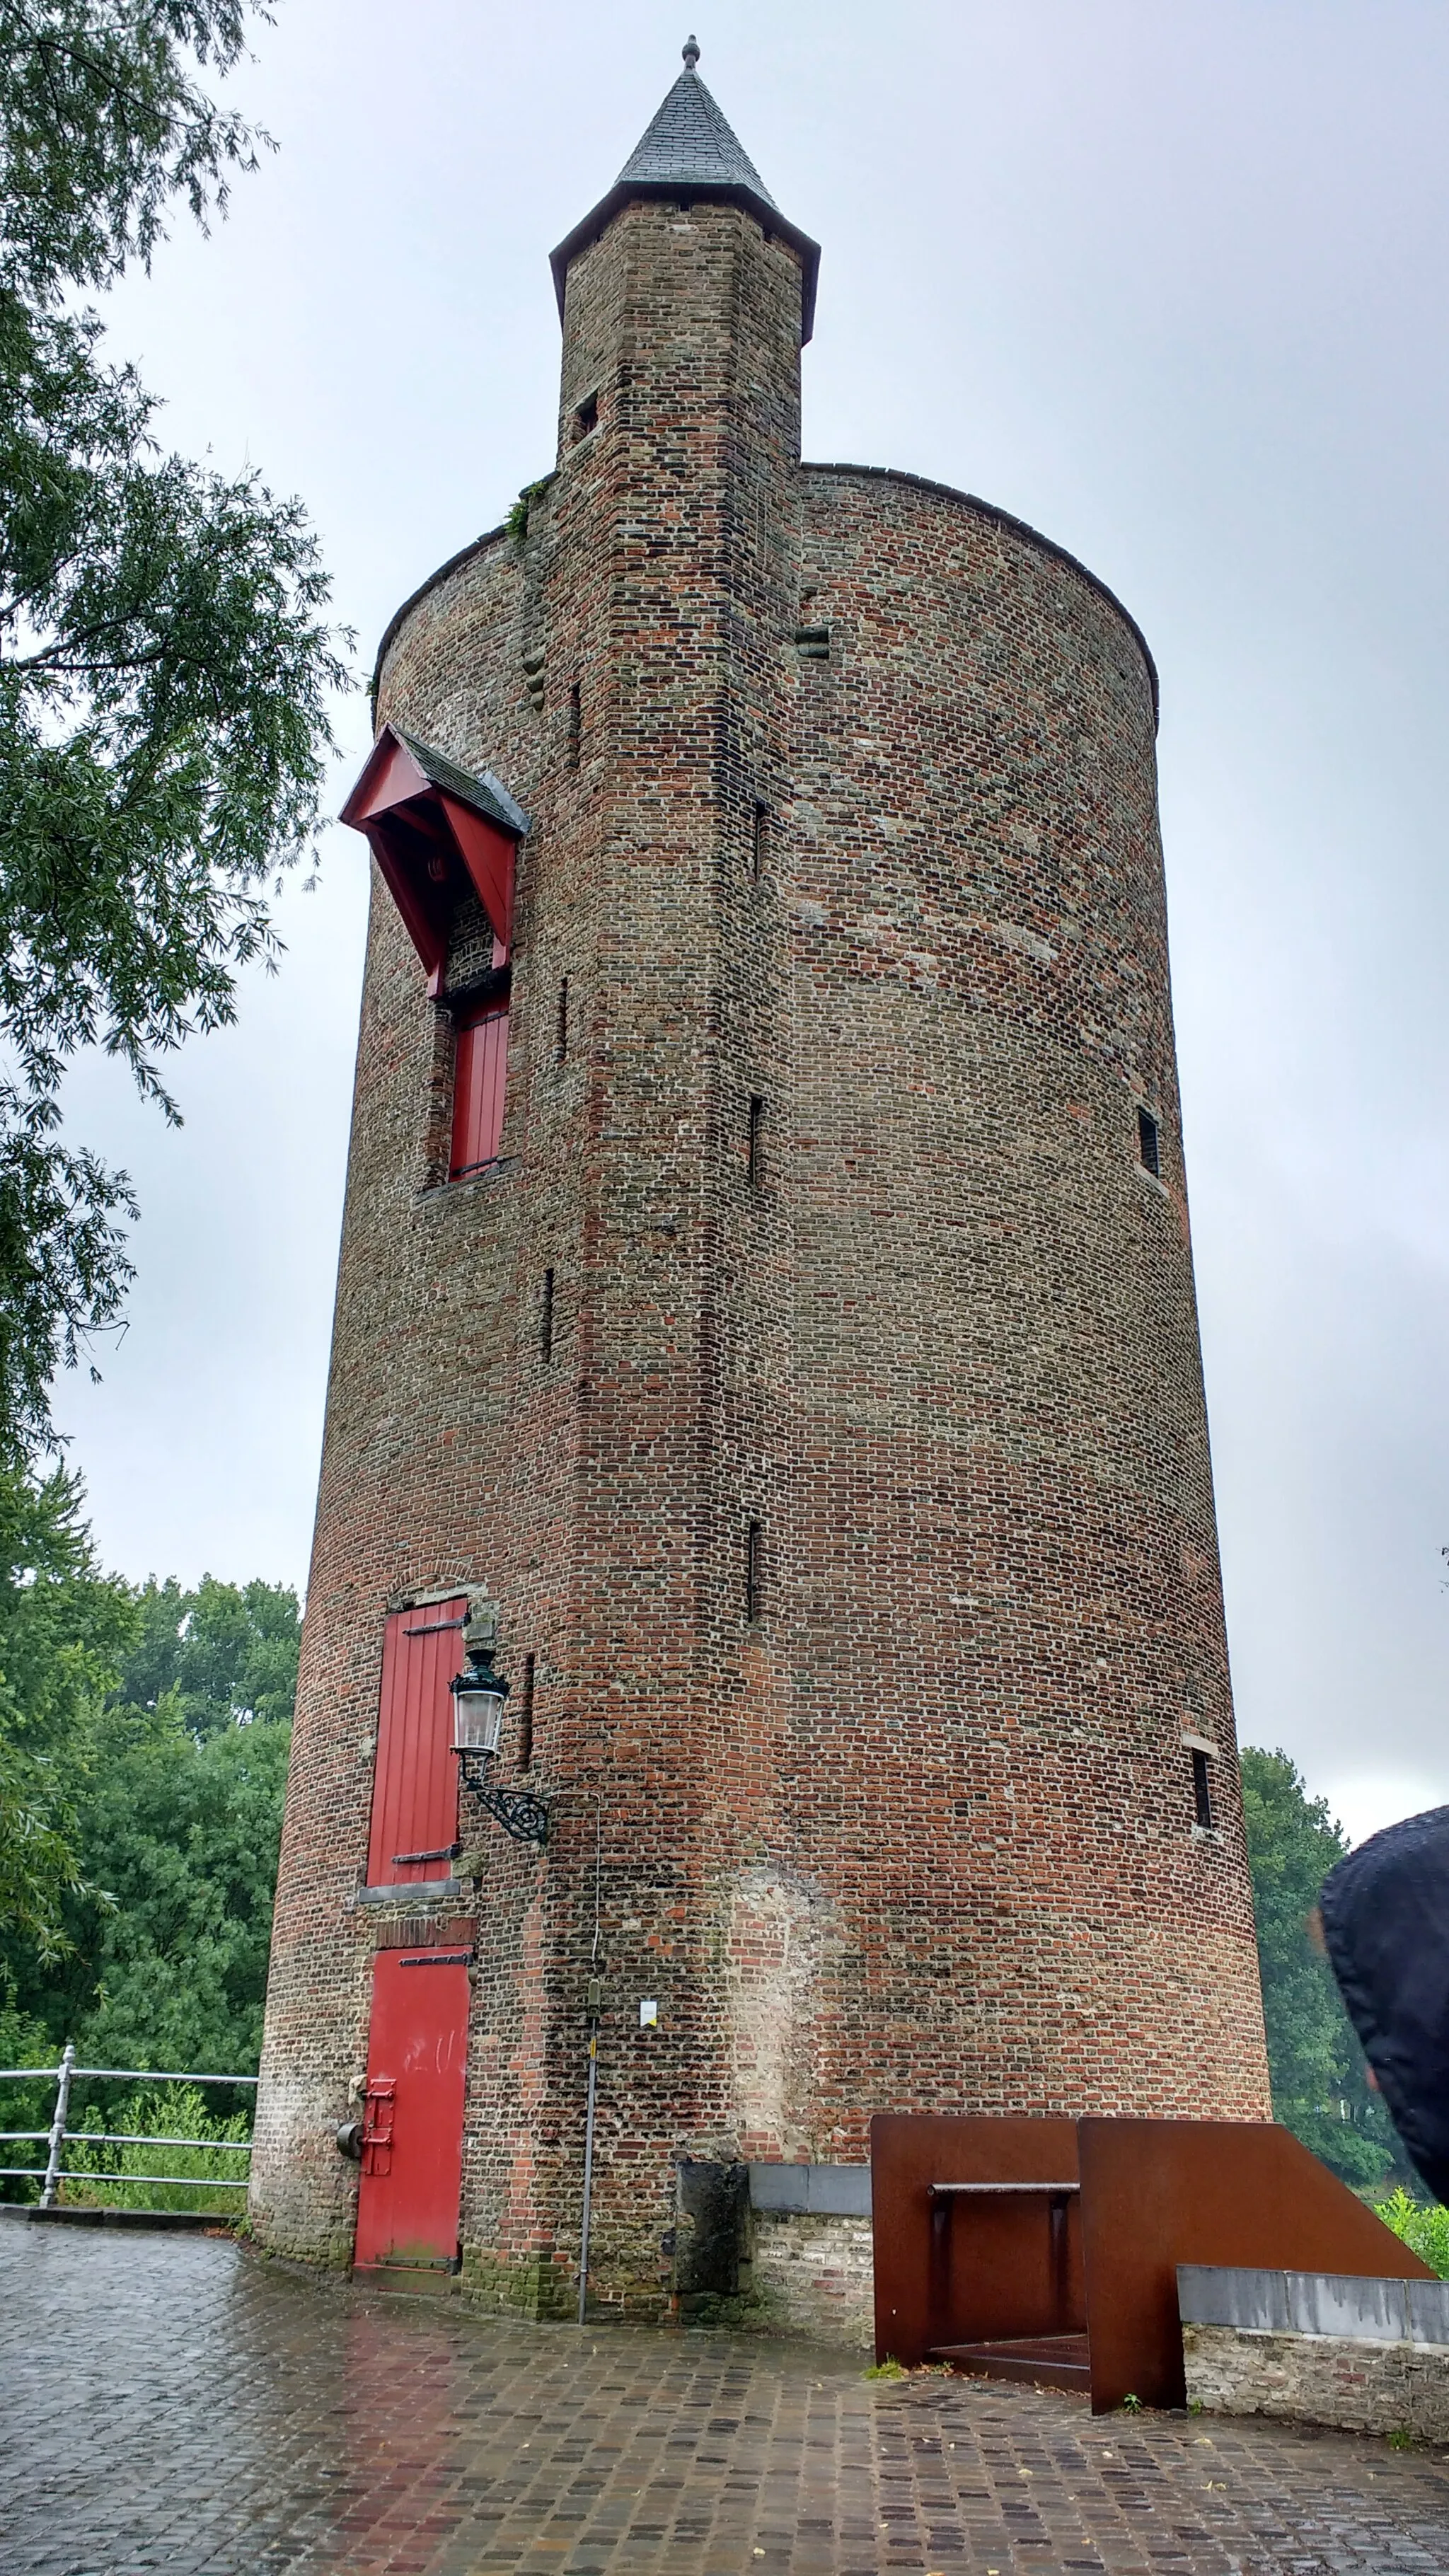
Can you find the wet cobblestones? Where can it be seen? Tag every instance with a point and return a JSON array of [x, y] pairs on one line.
[[176, 2404]]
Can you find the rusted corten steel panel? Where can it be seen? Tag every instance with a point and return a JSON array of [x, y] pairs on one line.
[[954, 2270], [415, 1781], [480, 1076], [1156, 2193], [982, 2268]]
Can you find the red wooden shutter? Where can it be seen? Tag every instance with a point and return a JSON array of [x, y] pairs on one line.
[[481, 1070], [415, 1781]]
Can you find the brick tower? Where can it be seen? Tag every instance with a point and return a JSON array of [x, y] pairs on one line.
[[766, 1279]]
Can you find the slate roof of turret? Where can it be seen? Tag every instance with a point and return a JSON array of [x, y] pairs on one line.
[[692, 144], [690, 149]]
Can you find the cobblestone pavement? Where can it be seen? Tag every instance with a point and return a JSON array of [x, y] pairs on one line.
[[173, 2403]]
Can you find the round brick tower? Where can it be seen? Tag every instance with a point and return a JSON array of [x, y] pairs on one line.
[[766, 1278]]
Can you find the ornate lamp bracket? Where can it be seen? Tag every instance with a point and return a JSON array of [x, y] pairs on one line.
[[518, 1811]]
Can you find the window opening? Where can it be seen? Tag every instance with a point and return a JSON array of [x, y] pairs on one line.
[[545, 1326], [754, 1552], [812, 643], [480, 1073], [561, 1037], [754, 1158], [1147, 1142], [1202, 1791], [576, 722], [525, 1717], [586, 417], [760, 849]]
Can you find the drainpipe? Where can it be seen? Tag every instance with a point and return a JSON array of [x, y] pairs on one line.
[[596, 1990]]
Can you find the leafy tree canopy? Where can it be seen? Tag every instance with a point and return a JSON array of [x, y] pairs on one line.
[[164, 664], [148, 1731], [1320, 2087], [224, 1655], [183, 1835], [63, 1629]]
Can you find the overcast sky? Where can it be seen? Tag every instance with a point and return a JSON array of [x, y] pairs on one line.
[[1166, 278]]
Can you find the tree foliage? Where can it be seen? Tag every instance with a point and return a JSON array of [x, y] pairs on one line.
[[63, 1628], [152, 1730], [164, 664], [226, 1655], [182, 1833], [1320, 2088]]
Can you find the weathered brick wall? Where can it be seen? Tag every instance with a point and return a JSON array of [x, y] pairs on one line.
[[1003, 1581], [811, 2276], [919, 1833], [1320, 2379], [422, 1388]]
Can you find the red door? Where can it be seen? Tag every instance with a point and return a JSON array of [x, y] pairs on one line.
[[412, 2152]]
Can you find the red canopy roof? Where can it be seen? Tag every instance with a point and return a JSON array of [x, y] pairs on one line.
[[436, 832]]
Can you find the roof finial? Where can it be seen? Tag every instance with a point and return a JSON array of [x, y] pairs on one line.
[[691, 53]]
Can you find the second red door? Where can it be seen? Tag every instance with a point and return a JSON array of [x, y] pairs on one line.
[[412, 2152]]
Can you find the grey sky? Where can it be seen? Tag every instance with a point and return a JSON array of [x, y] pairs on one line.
[[1165, 277]]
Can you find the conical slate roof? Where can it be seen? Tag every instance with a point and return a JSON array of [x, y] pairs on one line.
[[691, 150], [691, 144]]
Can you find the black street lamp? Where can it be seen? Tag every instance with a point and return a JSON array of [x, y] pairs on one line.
[[478, 1697]]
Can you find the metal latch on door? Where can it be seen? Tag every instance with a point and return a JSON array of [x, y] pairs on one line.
[[379, 2103]]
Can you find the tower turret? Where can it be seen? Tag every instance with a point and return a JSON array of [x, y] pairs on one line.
[[690, 153]]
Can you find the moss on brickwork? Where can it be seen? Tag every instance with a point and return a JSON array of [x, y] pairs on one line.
[[533, 2286]]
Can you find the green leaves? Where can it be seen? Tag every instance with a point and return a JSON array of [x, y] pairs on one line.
[[102, 123], [223, 1655], [1425, 2230], [38, 1861], [143, 1766], [165, 664], [62, 1626], [1319, 2085], [185, 1836]]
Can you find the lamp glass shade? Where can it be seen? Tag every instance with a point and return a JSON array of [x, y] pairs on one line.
[[477, 1714]]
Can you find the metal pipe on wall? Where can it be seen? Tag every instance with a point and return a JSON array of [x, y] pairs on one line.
[[588, 2168]]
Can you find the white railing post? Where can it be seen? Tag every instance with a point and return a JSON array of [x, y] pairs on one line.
[[57, 2126]]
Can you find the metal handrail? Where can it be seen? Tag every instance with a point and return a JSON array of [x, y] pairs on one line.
[[128, 2138], [192, 2182], [56, 2138], [130, 2074]]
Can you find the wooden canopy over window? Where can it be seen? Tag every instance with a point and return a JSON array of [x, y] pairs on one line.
[[437, 833]]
